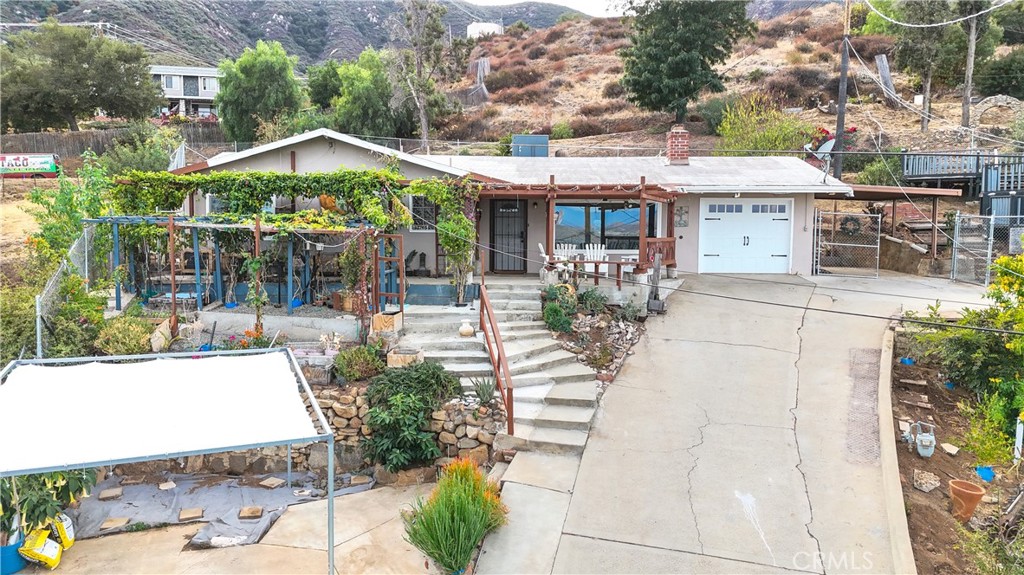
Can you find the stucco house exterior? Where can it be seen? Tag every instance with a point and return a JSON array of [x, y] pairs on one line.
[[702, 214], [189, 90]]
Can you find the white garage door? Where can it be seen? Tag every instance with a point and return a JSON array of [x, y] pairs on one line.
[[745, 235]]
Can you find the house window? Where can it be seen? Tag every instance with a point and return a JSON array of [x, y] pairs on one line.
[[423, 214], [209, 84], [615, 225], [169, 82]]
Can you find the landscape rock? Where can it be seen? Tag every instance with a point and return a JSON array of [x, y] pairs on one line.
[[925, 480], [467, 443], [447, 437], [478, 454]]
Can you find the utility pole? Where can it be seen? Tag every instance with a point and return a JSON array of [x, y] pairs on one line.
[[837, 163]]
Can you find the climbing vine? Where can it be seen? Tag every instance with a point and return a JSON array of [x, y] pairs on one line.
[[456, 201]]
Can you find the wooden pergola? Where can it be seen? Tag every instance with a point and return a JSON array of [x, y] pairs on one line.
[[641, 193]]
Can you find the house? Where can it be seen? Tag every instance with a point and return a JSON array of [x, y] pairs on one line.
[[478, 29], [189, 90], [701, 214]]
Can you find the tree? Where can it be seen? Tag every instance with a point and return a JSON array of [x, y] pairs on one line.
[[419, 35], [145, 147], [1011, 19], [1004, 76], [259, 84], [57, 74], [918, 48], [364, 105], [324, 83], [974, 27], [675, 46]]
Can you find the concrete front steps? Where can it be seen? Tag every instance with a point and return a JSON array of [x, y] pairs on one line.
[[555, 395]]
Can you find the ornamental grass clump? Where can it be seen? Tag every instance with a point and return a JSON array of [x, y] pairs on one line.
[[463, 508]]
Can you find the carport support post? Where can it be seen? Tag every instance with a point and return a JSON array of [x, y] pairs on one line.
[[330, 503], [196, 256], [217, 270], [935, 227], [289, 468], [288, 272], [117, 263], [550, 225]]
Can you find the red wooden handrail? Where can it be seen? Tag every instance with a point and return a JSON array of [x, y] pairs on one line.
[[496, 353]]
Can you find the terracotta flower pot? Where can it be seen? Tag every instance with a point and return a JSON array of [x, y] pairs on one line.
[[965, 497]]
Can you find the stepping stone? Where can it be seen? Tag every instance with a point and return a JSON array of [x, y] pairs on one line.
[[925, 480], [254, 512], [114, 523], [167, 485], [904, 426], [359, 480], [112, 493], [272, 482], [133, 480], [950, 448], [190, 514]]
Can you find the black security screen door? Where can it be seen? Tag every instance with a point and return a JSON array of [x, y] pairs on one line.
[[508, 235]]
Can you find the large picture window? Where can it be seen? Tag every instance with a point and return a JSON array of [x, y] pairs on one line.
[[616, 225]]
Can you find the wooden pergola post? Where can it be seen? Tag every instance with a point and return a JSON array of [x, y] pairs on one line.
[[935, 227], [643, 224], [551, 218], [670, 225]]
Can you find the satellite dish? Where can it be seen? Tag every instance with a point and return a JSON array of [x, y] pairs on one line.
[[824, 154]]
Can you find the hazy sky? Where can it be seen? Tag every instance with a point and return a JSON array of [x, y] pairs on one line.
[[592, 7]]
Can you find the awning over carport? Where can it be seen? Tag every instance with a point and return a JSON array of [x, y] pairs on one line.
[[868, 193]]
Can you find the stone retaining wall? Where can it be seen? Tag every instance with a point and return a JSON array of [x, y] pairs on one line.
[[461, 429]]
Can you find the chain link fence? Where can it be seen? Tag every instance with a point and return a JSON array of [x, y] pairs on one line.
[[980, 240], [81, 260], [847, 244]]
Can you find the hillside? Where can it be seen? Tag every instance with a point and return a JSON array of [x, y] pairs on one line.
[[206, 31]]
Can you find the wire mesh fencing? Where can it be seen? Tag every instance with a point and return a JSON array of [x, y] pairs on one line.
[[81, 260], [847, 244], [979, 240]]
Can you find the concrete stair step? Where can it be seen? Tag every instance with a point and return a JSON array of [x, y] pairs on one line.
[[569, 373], [544, 439], [557, 417], [442, 343], [581, 394], [531, 393], [543, 362], [530, 304], [549, 471], [524, 325], [525, 334], [456, 356], [523, 350], [468, 370]]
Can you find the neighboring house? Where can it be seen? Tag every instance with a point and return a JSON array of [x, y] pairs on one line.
[[189, 90], [478, 29], [703, 214]]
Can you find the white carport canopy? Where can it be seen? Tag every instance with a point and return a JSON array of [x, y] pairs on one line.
[[109, 410]]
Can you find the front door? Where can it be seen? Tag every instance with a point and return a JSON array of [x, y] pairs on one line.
[[508, 236]]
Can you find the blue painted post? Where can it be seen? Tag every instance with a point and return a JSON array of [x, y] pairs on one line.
[[117, 263], [288, 271], [196, 257], [219, 278], [131, 272], [305, 277]]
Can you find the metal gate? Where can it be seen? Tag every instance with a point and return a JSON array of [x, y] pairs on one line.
[[979, 240], [847, 244], [508, 235]]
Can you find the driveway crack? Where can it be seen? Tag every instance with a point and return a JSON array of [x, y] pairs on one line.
[[726, 343], [689, 474], [796, 437]]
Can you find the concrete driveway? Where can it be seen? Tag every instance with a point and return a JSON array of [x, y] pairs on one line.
[[743, 437]]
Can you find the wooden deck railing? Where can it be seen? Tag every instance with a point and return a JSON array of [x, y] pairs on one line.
[[664, 246], [496, 352], [963, 164], [1003, 177]]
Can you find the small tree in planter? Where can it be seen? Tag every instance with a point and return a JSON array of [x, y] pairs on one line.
[[232, 243], [351, 264], [456, 228]]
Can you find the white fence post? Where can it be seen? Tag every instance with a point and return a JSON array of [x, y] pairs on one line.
[[39, 327]]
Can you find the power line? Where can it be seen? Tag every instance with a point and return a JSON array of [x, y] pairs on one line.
[[936, 24], [733, 298]]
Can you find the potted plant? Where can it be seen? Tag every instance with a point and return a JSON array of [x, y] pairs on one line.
[[31, 502], [350, 265]]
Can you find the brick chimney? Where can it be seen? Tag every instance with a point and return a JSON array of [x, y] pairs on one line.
[[678, 146]]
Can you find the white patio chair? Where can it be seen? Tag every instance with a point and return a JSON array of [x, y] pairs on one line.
[[596, 252], [565, 251]]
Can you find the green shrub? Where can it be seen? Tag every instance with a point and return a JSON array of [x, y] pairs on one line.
[[556, 318], [712, 110], [428, 381], [398, 438], [537, 52], [881, 172], [592, 300], [804, 48], [756, 122], [755, 75], [360, 362], [561, 131], [484, 388], [125, 336], [144, 148], [1004, 76], [985, 436], [449, 525], [628, 311], [17, 323], [517, 77]]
